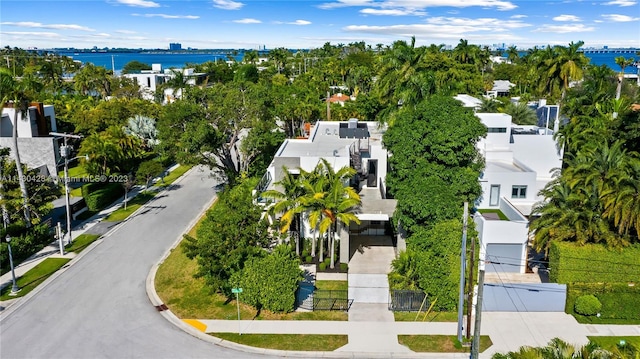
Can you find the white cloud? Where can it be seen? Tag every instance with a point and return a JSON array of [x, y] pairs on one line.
[[491, 24], [247, 21], [128, 32], [420, 4], [300, 22], [621, 3], [48, 26], [572, 18], [564, 29], [450, 34], [165, 16], [138, 3], [227, 4], [32, 33], [392, 12], [620, 18], [519, 16]]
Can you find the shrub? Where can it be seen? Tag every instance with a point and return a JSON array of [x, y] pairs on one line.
[[308, 259], [322, 266], [619, 300], [24, 243], [270, 282], [568, 263], [588, 305], [99, 195], [344, 267], [327, 261], [305, 253]]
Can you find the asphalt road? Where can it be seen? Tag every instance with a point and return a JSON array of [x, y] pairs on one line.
[[98, 307]]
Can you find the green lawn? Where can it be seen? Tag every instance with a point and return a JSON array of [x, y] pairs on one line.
[[610, 343], [81, 242], [440, 343], [173, 175], [497, 211], [77, 171], [431, 317], [305, 342], [332, 285], [30, 280], [189, 298], [133, 204]]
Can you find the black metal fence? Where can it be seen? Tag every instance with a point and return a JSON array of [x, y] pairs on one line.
[[408, 301], [309, 298]]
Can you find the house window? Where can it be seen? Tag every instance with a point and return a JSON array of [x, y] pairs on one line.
[[497, 130], [519, 192]]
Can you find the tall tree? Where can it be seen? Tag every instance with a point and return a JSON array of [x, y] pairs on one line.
[[13, 91]]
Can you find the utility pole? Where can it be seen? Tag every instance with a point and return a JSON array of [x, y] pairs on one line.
[[470, 287], [475, 346], [463, 262], [65, 151], [328, 107]]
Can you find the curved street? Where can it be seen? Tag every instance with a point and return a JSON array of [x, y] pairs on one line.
[[98, 307]]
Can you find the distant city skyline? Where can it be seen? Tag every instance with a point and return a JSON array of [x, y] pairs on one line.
[[254, 24]]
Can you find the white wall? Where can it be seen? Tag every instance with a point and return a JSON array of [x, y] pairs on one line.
[[501, 232], [507, 180]]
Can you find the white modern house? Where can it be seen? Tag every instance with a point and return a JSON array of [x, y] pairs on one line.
[[352, 143], [519, 162], [150, 80], [37, 148]]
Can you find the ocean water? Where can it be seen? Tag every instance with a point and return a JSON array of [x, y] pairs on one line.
[[117, 61]]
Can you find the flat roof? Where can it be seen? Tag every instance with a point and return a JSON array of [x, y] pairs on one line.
[[324, 141]]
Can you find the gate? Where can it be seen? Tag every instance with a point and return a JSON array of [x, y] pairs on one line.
[[310, 299], [407, 300]]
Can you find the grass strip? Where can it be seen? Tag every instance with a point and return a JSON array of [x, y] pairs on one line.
[[611, 343], [440, 343], [36, 275], [431, 317], [173, 175], [501, 215], [298, 342], [133, 204], [332, 285], [81, 242]]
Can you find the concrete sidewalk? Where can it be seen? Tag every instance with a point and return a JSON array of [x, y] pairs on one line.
[[508, 332], [93, 225]]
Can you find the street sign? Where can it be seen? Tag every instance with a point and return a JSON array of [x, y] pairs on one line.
[[236, 290]]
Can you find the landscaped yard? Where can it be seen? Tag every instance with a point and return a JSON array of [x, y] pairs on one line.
[[190, 298], [175, 174], [440, 343], [304, 342], [36, 275]]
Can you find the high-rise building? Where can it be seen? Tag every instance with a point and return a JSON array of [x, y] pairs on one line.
[[175, 46]]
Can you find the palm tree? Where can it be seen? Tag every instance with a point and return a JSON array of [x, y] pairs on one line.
[[521, 114], [512, 54], [287, 202], [15, 92], [623, 63], [251, 56], [621, 199], [566, 64]]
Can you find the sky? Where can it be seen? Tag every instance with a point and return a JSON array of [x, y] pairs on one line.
[[304, 24]]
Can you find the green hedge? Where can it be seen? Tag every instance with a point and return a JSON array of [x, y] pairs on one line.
[[593, 263], [619, 300], [24, 243], [98, 195]]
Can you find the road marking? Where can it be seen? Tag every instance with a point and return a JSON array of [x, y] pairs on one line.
[[196, 324]]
